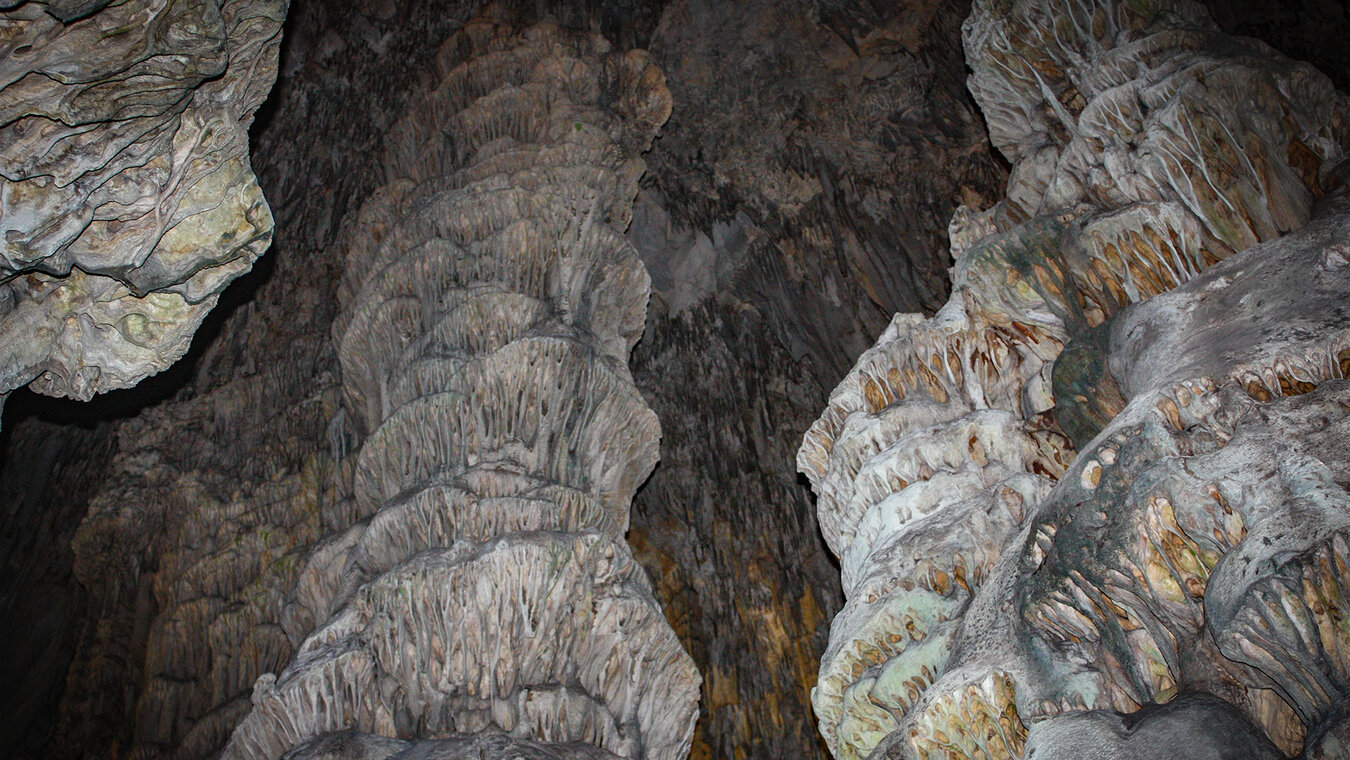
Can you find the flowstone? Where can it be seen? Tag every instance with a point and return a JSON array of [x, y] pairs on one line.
[[485, 604], [1154, 317], [126, 197]]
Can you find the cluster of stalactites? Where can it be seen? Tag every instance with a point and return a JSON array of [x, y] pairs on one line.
[[1145, 153], [489, 305], [126, 197]]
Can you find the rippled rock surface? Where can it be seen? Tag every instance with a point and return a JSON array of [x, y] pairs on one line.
[[1110, 471], [127, 201], [489, 304]]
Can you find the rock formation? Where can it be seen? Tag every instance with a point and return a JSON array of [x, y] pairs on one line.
[[489, 306], [165, 546], [126, 196], [797, 198], [1110, 470]]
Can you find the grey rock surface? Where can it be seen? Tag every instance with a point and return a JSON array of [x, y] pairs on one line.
[[354, 746], [127, 198], [488, 308], [1202, 726]]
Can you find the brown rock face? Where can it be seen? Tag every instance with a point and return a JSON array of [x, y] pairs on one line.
[[127, 199]]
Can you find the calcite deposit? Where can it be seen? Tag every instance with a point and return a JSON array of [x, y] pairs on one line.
[[393, 476], [126, 197], [489, 304], [1110, 470]]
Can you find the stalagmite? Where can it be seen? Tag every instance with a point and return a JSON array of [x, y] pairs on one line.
[[486, 604], [1110, 474]]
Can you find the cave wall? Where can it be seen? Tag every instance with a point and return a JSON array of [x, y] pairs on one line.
[[264, 496], [793, 203]]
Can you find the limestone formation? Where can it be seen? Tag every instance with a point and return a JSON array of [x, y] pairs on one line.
[[1125, 399], [126, 196], [1110, 470], [354, 746], [489, 304], [1206, 727]]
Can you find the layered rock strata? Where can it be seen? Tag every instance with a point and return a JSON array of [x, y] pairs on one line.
[[488, 307], [126, 197], [996, 579]]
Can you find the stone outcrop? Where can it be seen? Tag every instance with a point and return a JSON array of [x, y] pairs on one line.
[[488, 307], [1064, 492], [126, 196]]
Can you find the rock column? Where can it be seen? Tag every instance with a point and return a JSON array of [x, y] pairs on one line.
[[1043, 523], [127, 202], [486, 604]]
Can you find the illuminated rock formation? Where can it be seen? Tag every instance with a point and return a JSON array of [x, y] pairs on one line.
[[488, 308], [996, 579], [126, 197], [270, 502]]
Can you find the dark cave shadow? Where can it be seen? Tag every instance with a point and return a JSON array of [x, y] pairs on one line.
[[116, 405], [262, 118], [267, 110], [821, 545]]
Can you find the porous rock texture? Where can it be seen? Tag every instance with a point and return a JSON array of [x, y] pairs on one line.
[[127, 201], [1111, 470]]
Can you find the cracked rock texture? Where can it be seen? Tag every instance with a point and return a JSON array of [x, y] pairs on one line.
[[1064, 499], [127, 201]]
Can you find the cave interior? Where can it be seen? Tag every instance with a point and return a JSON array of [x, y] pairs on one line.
[[658, 379]]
